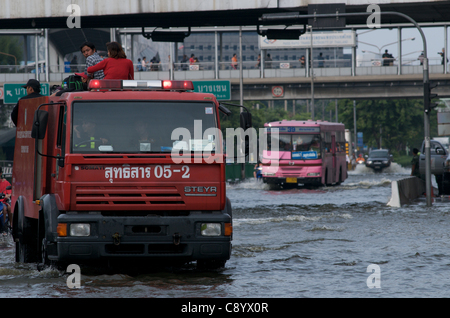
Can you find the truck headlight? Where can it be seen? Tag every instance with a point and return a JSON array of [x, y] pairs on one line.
[[211, 229], [80, 229], [385, 161], [313, 174], [369, 162]]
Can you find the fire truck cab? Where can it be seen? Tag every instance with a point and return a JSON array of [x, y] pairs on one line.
[[128, 170]]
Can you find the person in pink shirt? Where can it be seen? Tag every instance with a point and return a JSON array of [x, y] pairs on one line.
[[116, 66]]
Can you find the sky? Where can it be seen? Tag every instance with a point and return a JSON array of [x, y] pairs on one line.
[[411, 49]]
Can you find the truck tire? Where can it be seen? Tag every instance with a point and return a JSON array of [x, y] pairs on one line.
[[43, 261], [25, 236]]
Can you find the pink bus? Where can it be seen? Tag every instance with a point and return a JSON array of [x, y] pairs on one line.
[[309, 152]]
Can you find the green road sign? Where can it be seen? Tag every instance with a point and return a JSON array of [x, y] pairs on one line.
[[13, 92], [220, 89]]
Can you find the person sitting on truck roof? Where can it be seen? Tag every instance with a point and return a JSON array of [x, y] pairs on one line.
[[116, 66], [87, 138], [33, 88], [92, 58]]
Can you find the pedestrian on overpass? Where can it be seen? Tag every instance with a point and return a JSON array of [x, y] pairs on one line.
[[234, 61], [258, 62], [268, 62], [320, 58], [33, 90], [442, 54], [386, 58], [302, 61]]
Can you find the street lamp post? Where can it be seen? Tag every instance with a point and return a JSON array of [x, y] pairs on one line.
[[312, 75]]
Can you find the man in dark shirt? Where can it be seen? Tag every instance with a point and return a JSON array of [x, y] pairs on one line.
[[33, 90], [387, 58], [415, 163]]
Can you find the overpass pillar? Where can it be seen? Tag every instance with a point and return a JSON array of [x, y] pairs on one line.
[[216, 55], [353, 60], [307, 63], [446, 48], [399, 49]]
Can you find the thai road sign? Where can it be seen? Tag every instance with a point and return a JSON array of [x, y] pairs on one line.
[[13, 92]]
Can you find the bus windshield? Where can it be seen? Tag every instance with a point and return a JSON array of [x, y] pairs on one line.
[[143, 126], [301, 146]]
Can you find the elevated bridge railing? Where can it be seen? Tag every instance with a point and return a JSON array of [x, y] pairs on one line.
[[207, 71]]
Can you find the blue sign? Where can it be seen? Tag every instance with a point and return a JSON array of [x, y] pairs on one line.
[[304, 155], [295, 129]]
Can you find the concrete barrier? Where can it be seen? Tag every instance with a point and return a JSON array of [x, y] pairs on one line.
[[406, 190]]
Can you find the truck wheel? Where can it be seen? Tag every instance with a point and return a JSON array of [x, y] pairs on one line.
[[25, 236], [44, 262], [25, 252]]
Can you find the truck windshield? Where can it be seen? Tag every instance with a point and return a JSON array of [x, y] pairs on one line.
[[299, 145], [143, 126]]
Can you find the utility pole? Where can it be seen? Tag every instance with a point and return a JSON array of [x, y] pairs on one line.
[[312, 75]]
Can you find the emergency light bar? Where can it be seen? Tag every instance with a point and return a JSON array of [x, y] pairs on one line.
[[112, 84]]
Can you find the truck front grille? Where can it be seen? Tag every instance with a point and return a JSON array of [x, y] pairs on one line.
[[123, 197]]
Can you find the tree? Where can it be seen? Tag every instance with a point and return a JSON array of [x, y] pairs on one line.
[[11, 51], [392, 124]]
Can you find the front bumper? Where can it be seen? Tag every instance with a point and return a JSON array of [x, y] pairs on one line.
[[378, 165], [285, 181], [150, 237]]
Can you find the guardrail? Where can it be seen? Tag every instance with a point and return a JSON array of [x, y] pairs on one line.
[[207, 70]]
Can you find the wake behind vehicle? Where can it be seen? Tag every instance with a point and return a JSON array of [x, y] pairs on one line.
[[304, 152], [379, 159], [128, 171]]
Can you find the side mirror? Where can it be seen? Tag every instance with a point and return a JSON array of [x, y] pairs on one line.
[[246, 120], [60, 162], [40, 121], [440, 151], [224, 110]]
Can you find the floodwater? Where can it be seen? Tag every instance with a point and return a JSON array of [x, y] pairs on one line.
[[341, 241]]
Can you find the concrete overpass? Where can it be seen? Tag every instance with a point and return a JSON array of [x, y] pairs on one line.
[[180, 13], [328, 85], [354, 82], [341, 87]]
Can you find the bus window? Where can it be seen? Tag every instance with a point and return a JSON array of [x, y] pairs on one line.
[[297, 143], [285, 143]]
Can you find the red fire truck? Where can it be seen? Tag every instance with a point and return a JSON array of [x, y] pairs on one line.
[[98, 176]]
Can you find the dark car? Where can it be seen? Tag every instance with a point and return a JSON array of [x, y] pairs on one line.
[[379, 159]]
